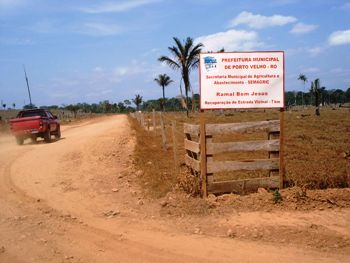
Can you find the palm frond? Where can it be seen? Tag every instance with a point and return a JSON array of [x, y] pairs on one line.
[[176, 53], [179, 45], [171, 63], [188, 47], [194, 56], [157, 80]]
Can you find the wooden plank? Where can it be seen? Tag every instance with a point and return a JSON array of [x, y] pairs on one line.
[[162, 128], [192, 146], [203, 155], [154, 120], [218, 129], [246, 146], [143, 120], [282, 164], [274, 154], [193, 163], [189, 153], [249, 165], [192, 129], [173, 129], [210, 178], [245, 185]]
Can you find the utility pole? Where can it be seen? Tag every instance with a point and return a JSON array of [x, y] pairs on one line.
[[30, 97]]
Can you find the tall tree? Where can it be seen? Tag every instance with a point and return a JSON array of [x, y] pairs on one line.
[[137, 101], [303, 78], [163, 80], [185, 57], [315, 90]]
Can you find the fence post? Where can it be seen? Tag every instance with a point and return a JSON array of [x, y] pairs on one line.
[[162, 130], [142, 120], [281, 164], [203, 154], [154, 120], [173, 128]]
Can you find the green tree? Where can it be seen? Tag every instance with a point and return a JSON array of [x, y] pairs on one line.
[[163, 80], [316, 90], [324, 93], [73, 108], [105, 106], [303, 78], [347, 95], [29, 106], [127, 103], [121, 107], [137, 101], [185, 58]]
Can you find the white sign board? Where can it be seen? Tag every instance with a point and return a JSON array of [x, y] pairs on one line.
[[242, 80]]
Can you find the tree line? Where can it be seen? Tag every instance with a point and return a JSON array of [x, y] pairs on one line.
[[334, 97], [326, 97]]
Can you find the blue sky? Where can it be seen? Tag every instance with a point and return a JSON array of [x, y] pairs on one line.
[[88, 51]]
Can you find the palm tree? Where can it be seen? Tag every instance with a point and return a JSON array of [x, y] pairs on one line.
[[303, 78], [163, 80], [137, 101], [185, 58], [315, 89]]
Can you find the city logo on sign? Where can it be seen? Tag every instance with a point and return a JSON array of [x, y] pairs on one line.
[[210, 64]]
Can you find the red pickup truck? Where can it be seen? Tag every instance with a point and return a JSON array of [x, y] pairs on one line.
[[33, 124]]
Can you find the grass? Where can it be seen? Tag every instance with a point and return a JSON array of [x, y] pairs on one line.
[[314, 148]]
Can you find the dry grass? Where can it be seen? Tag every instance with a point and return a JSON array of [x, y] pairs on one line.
[[314, 148]]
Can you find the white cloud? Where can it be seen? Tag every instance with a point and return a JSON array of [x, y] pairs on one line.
[[112, 7], [260, 21], [339, 38], [301, 28], [100, 29], [231, 40]]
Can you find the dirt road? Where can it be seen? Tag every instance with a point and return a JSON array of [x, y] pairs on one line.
[[77, 200]]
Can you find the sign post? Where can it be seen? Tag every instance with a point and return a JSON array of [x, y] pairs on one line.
[[241, 80]]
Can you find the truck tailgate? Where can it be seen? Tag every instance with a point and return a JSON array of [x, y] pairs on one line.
[[26, 124]]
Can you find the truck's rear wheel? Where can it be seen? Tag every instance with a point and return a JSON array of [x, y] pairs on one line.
[[19, 140], [33, 139], [47, 136], [58, 133]]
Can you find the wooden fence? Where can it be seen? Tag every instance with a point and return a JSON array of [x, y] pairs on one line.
[[201, 152], [156, 123]]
